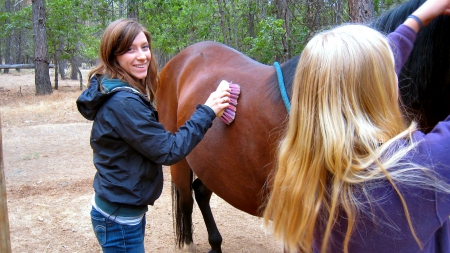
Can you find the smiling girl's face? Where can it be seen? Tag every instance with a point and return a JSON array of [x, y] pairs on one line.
[[137, 59]]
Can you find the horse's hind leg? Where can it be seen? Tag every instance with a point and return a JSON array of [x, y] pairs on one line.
[[203, 196]]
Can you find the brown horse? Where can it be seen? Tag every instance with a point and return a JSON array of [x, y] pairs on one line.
[[234, 161]]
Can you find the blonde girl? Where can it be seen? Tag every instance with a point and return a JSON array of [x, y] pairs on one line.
[[352, 174]]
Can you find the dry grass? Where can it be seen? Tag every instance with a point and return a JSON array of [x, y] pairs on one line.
[[21, 107]]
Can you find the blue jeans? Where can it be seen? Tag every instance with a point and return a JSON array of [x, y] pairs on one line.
[[117, 238]]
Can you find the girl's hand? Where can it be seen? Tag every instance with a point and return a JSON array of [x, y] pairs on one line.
[[427, 12], [219, 99]]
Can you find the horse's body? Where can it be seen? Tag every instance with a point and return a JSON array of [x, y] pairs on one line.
[[189, 82], [235, 161], [232, 160]]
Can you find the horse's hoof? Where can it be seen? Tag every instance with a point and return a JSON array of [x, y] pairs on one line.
[[215, 251], [190, 248]]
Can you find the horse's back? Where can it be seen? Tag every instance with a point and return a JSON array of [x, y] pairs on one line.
[[194, 73], [232, 160]]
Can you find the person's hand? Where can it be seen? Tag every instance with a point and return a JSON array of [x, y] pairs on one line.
[[427, 12], [219, 100]]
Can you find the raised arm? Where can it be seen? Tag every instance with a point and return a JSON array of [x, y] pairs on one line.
[[426, 13]]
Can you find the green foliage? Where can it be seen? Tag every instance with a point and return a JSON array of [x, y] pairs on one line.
[[256, 28], [71, 28], [4, 17], [382, 5], [267, 44], [177, 24], [299, 39], [20, 23]]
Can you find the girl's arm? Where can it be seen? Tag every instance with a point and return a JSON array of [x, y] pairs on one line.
[[426, 13]]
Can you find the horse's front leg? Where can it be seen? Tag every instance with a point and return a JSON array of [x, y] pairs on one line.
[[203, 196], [182, 204]]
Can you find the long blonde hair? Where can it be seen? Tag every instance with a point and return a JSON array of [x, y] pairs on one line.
[[116, 40], [343, 129]]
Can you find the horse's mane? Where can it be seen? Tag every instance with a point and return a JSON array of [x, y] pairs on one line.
[[424, 80]]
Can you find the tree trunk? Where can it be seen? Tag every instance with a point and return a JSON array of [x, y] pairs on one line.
[[74, 69], [282, 13], [227, 22], [361, 11], [8, 37], [222, 22], [19, 39], [42, 75], [235, 26], [19, 51], [133, 9], [1, 56], [337, 13], [251, 19], [81, 79], [313, 17], [62, 68], [5, 241], [56, 74], [111, 8], [121, 8]]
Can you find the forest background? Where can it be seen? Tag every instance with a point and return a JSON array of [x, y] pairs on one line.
[[265, 30]]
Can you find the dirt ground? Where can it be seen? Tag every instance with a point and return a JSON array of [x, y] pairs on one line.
[[48, 171]]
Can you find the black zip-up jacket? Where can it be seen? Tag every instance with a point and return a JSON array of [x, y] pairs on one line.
[[130, 145]]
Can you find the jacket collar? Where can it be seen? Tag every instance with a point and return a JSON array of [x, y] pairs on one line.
[[109, 84]]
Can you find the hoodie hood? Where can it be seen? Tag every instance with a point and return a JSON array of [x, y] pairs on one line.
[[90, 101]]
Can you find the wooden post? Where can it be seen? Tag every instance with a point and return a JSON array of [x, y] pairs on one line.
[[5, 242]]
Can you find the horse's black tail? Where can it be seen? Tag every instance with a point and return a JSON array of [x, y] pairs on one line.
[[179, 223], [177, 216]]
